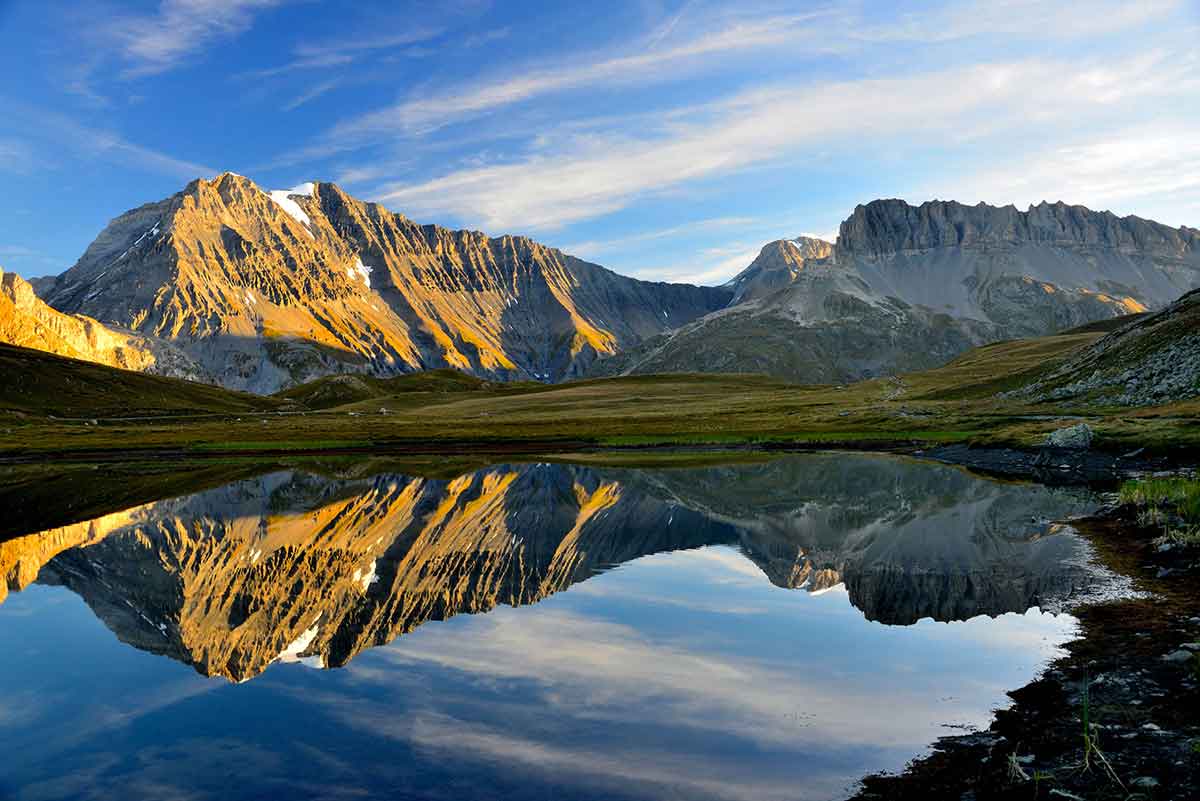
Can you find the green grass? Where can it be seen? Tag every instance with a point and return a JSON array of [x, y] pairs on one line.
[[1180, 494], [1172, 503], [280, 445], [446, 411]]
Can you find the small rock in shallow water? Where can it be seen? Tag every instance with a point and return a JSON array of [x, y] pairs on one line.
[[1191, 646], [1145, 782], [1178, 656]]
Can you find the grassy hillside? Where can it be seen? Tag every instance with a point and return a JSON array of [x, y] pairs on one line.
[[443, 412], [343, 390], [42, 384]]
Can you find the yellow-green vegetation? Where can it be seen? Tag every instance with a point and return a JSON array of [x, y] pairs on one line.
[[1172, 503], [444, 411]]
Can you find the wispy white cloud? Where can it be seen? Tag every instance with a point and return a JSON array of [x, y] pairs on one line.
[[1069, 19], [596, 247], [312, 94], [95, 142], [664, 30], [342, 51], [595, 175], [158, 42], [708, 267], [15, 156], [1154, 169], [426, 114], [487, 37]]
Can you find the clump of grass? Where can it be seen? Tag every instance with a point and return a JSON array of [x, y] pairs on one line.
[[1091, 745], [1179, 535], [1172, 503], [1180, 494]]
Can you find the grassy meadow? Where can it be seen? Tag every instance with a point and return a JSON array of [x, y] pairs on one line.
[[91, 411]]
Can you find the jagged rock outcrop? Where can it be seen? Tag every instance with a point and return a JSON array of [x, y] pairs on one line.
[[29, 323], [294, 566], [270, 289], [910, 287], [778, 264], [1154, 359]]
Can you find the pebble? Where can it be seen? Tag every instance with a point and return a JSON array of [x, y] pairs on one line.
[[1179, 656], [1145, 782]]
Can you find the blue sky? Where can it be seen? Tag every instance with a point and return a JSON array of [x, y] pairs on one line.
[[666, 139]]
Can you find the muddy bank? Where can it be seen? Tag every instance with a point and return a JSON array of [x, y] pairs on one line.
[[1133, 675]]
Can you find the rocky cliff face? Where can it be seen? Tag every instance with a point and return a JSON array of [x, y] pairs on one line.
[[269, 289], [293, 566], [910, 287], [885, 227], [29, 323]]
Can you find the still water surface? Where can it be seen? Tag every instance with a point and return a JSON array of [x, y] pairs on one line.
[[763, 631]]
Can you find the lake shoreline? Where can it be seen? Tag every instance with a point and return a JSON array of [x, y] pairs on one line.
[[1143, 696], [1056, 466]]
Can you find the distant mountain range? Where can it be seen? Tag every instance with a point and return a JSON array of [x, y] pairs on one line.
[[262, 290], [907, 288]]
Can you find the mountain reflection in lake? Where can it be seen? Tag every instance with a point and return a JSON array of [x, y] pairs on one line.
[[772, 630]]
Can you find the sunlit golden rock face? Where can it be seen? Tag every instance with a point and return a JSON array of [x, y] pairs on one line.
[[293, 566], [28, 322], [266, 290]]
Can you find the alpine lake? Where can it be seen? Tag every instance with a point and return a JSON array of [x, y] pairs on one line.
[[775, 629]]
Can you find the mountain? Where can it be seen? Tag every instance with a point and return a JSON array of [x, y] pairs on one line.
[[266, 290], [27, 322], [292, 565], [909, 287], [777, 265], [1152, 360]]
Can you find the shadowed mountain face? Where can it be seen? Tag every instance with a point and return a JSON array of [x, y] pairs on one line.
[[910, 287], [293, 566], [269, 289]]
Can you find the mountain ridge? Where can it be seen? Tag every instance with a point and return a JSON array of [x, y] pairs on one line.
[[910, 287], [268, 289]]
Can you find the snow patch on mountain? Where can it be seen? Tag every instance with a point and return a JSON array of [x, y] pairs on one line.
[[360, 270], [283, 198]]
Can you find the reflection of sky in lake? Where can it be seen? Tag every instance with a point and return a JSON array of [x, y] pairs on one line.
[[680, 675]]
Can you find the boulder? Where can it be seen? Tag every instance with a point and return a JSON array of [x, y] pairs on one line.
[[1077, 436]]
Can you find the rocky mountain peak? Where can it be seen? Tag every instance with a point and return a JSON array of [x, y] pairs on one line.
[[777, 265], [891, 226], [269, 288]]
